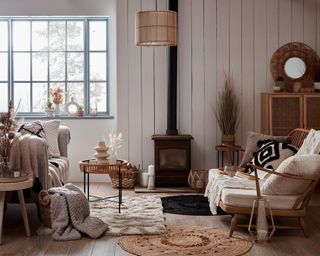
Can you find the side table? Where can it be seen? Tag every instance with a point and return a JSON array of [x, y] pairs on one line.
[[15, 186], [231, 151], [92, 166]]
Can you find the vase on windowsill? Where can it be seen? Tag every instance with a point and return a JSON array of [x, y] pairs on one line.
[[57, 110]]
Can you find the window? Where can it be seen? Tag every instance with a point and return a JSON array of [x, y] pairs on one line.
[[40, 54]]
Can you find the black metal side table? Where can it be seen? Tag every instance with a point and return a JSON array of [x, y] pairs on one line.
[[92, 166], [233, 151]]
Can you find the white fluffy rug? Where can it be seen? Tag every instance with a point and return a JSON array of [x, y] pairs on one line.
[[139, 215]]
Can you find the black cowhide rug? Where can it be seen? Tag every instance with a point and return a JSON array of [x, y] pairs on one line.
[[188, 205]]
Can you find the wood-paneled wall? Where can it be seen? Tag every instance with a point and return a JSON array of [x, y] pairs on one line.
[[215, 36]]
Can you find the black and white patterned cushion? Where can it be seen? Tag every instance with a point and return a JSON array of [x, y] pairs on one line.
[[272, 153], [34, 128]]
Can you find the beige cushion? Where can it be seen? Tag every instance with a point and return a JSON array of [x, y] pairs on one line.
[[245, 197], [311, 144], [51, 129], [252, 144], [300, 165]]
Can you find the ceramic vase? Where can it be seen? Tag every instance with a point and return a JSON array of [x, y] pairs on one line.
[[101, 152], [57, 110]]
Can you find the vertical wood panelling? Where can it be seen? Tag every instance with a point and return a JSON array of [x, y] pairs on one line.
[[285, 21], [161, 82], [197, 86], [248, 69], [297, 20], [235, 52], [184, 68], [210, 78], [318, 27], [272, 36], [310, 23], [214, 36], [260, 56], [223, 45], [147, 120], [135, 100], [122, 77]]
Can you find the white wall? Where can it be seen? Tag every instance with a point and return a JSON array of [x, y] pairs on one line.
[[214, 35], [84, 133]]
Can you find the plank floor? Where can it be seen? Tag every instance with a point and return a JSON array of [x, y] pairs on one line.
[[16, 243]]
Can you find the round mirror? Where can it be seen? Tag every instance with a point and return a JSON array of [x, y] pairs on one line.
[[295, 67], [72, 107]]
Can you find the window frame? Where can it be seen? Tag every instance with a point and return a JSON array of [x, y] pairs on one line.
[[86, 62]]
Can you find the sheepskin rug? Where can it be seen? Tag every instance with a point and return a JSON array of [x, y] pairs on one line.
[[139, 215]]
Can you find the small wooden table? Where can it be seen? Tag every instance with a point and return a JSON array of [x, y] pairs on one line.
[[15, 186], [92, 166], [231, 151]]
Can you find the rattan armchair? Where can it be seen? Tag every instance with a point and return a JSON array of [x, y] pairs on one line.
[[298, 205]]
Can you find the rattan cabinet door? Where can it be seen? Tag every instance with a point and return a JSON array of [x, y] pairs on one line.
[[286, 113], [312, 111]]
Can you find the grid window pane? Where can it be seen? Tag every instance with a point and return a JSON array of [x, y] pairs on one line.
[[39, 96], [76, 90], [3, 66], [40, 66], [21, 66], [39, 35], [3, 97], [75, 36], [22, 93], [57, 35], [98, 35], [4, 36], [21, 35], [57, 66], [98, 96], [75, 68], [98, 66]]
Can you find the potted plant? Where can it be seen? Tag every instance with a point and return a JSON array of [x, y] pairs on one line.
[[49, 108], [228, 111], [80, 110]]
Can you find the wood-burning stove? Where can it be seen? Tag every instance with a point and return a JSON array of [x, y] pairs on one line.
[[172, 154]]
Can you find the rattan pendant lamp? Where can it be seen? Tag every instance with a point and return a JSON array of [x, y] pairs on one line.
[[156, 28]]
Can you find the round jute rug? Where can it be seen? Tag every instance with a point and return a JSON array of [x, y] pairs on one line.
[[186, 240]]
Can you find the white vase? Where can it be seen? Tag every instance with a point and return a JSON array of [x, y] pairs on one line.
[[112, 158], [57, 110]]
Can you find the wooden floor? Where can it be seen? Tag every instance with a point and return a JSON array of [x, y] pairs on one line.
[[16, 243]]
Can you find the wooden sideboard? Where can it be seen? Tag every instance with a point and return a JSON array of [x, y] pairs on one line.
[[282, 112]]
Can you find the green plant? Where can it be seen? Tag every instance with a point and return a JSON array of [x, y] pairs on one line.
[[80, 108], [228, 108], [49, 104]]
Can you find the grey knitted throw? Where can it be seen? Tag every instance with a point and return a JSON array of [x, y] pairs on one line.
[[70, 214]]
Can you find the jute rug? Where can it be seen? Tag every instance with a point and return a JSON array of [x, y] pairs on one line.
[[186, 240], [139, 215]]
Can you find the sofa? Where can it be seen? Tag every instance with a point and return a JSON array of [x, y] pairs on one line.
[[51, 168]]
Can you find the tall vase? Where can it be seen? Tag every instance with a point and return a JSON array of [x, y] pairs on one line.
[[57, 110], [5, 170]]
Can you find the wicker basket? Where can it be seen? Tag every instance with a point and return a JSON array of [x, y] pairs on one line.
[[129, 175], [198, 179], [44, 208]]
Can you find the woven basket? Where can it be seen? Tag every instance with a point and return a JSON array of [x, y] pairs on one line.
[[44, 208], [129, 175], [198, 179]]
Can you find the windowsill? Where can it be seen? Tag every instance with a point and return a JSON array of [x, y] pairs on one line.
[[65, 117]]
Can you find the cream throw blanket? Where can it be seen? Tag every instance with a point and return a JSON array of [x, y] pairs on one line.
[[70, 214], [219, 182], [23, 154]]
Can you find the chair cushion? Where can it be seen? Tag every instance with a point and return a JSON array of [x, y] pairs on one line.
[[252, 144], [271, 154], [311, 144], [300, 165], [34, 128], [51, 129], [245, 197]]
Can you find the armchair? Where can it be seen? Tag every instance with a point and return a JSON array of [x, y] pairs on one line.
[[291, 201]]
